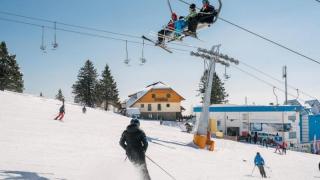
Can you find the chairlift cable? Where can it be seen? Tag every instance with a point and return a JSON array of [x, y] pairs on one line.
[[271, 77], [264, 38], [168, 1], [70, 25], [85, 33], [254, 76]]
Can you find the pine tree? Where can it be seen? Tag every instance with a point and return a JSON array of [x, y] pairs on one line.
[[218, 93], [84, 87], [60, 96], [107, 89], [10, 75]]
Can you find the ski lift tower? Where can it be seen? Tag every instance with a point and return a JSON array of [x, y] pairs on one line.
[[212, 57]]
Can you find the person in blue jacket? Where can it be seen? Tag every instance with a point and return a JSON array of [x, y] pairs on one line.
[[179, 26], [258, 161]]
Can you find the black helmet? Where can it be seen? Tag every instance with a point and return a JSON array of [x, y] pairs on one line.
[[192, 6], [135, 121]]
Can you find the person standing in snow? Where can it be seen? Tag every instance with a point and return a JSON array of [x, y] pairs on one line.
[[255, 137], [61, 112], [84, 109], [277, 139], [284, 147], [258, 161], [134, 142]]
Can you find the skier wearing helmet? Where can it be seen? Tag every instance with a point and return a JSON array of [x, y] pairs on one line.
[[134, 142], [192, 20], [207, 13], [167, 31]]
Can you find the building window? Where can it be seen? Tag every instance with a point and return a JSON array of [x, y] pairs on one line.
[[159, 107], [168, 105], [142, 105], [292, 118], [153, 95], [292, 135], [149, 107], [168, 95]]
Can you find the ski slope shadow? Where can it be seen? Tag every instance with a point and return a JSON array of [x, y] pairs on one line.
[[23, 175], [157, 140]]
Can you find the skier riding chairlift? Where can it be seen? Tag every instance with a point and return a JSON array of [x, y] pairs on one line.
[[194, 21], [166, 31]]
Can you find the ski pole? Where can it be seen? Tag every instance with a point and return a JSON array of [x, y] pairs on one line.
[[253, 170], [161, 167]]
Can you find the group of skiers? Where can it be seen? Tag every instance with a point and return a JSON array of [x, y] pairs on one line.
[[281, 146], [62, 112], [176, 26]]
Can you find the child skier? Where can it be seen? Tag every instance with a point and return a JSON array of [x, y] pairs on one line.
[[258, 161], [179, 26], [167, 30], [61, 112]]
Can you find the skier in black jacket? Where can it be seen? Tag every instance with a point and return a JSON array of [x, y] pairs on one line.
[[207, 13], [134, 141]]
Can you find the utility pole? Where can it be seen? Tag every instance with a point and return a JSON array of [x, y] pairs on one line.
[[213, 57], [284, 75]]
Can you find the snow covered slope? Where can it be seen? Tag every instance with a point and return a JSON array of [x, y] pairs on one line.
[[86, 147]]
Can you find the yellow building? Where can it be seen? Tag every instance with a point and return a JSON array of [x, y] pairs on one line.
[[157, 101]]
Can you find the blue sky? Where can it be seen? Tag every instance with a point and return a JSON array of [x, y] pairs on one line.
[[294, 23]]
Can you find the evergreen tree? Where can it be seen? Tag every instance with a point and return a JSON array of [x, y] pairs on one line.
[[60, 96], [218, 93], [10, 75], [107, 89], [84, 87]]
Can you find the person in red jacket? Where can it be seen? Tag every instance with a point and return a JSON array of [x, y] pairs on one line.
[[284, 147], [167, 30]]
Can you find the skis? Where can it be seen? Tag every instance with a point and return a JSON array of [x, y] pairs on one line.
[[183, 35], [161, 46]]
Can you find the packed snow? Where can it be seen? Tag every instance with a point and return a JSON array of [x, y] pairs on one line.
[[86, 147]]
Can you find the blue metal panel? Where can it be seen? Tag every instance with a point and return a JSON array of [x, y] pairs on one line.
[[251, 109], [314, 127]]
